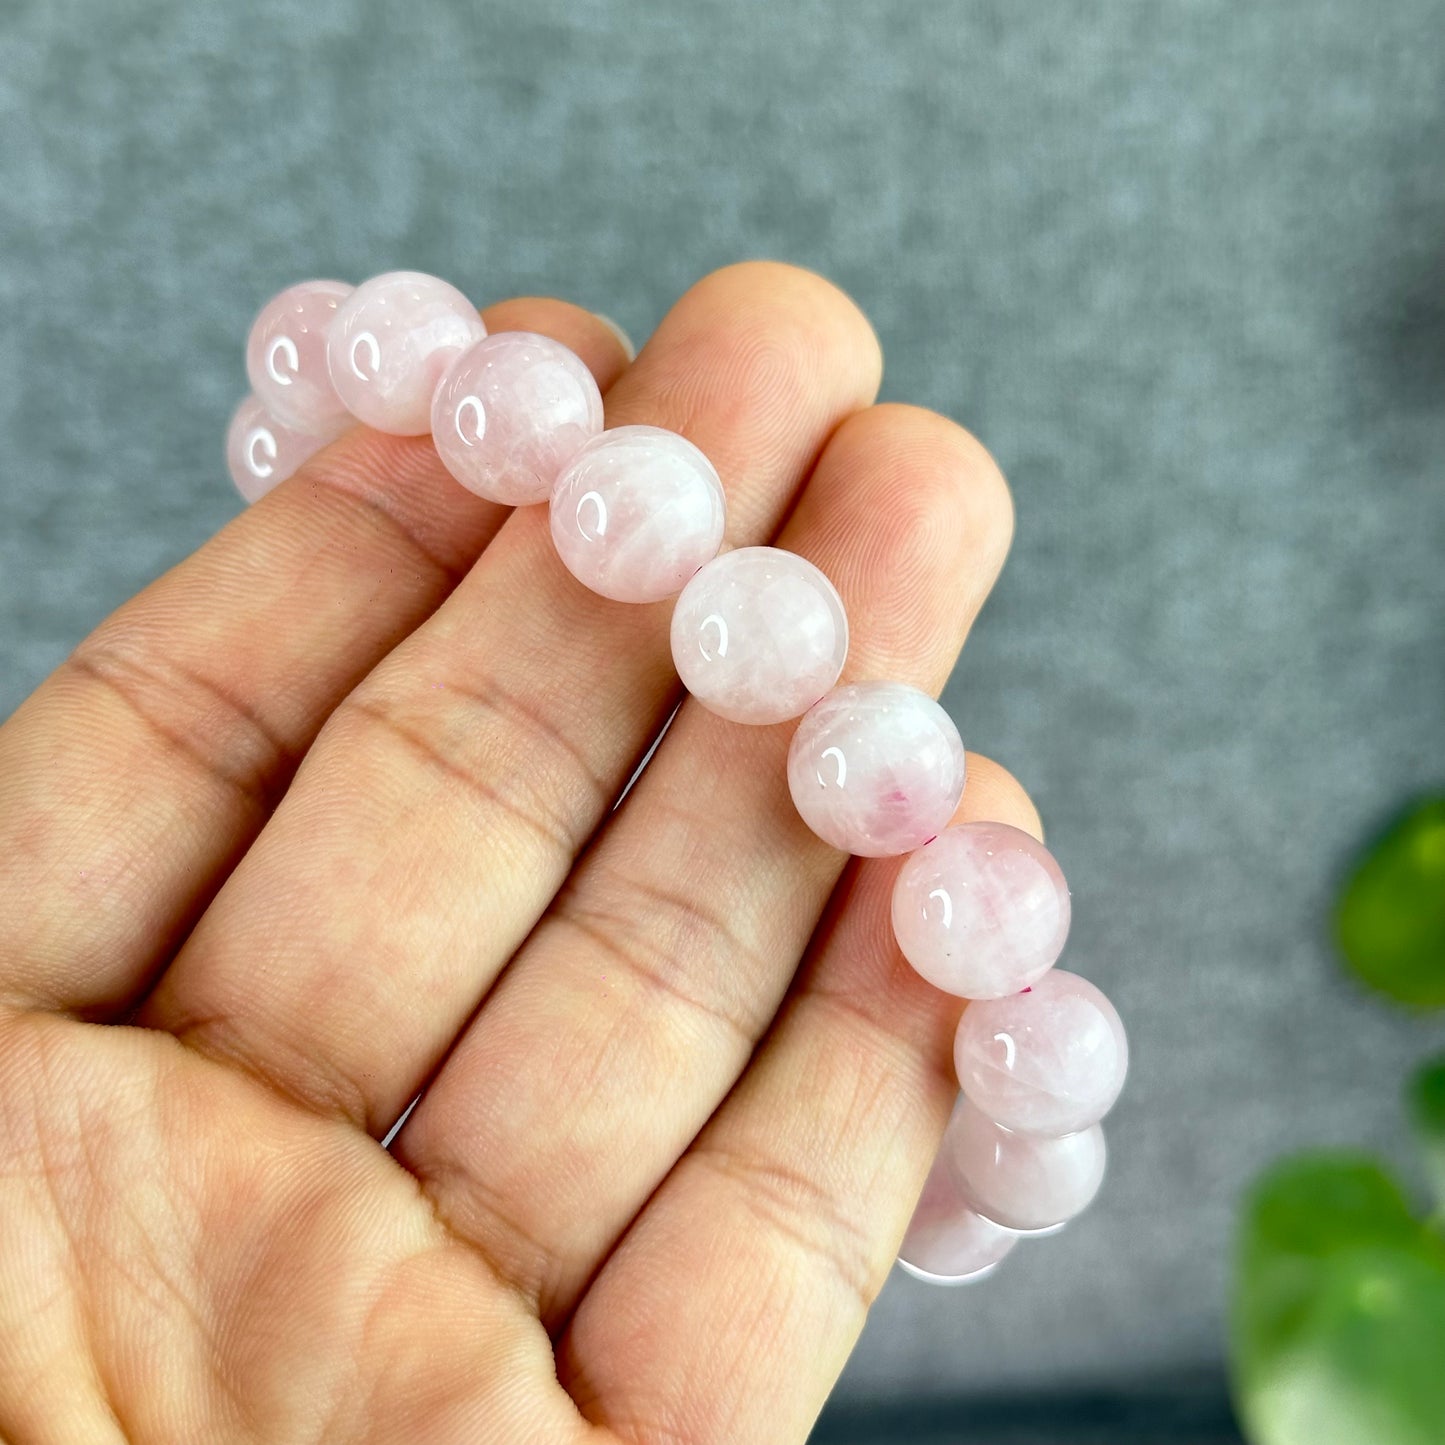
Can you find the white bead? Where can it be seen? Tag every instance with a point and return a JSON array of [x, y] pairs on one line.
[[759, 635], [1020, 1181], [511, 412], [286, 357], [1050, 1060], [261, 453], [390, 343], [948, 1242], [636, 512]]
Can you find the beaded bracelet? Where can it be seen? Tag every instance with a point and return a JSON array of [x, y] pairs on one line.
[[759, 635]]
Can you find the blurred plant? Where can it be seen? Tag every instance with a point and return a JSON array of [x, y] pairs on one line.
[[1390, 920], [1338, 1326]]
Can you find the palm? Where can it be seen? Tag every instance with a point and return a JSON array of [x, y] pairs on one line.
[[656, 1177], [243, 1271]]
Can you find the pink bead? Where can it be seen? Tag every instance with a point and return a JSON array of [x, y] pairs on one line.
[[947, 1241], [636, 512], [262, 453], [759, 635], [392, 339], [982, 911], [1020, 1181], [1047, 1061], [511, 412], [876, 768], [286, 356]]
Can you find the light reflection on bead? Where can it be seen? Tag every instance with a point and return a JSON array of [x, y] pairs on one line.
[[261, 453], [1048, 1061], [286, 356], [982, 911], [1020, 1181], [636, 512], [511, 412], [876, 768], [759, 635], [392, 339]]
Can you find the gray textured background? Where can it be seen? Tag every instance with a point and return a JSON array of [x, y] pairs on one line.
[[1181, 265]]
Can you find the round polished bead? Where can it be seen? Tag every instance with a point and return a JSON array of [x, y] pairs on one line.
[[1020, 1181], [286, 356], [876, 768], [392, 339], [759, 635], [261, 452], [510, 412], [636, 512], [982, 911], [1050, 1060], [948, 1242]]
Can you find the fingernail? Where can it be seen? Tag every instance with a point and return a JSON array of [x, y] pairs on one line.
[[619, 333]]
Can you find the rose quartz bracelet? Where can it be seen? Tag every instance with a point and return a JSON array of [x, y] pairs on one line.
[[759, 635]]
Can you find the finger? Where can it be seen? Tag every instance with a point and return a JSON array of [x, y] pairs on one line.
[[443, 807], [728, 1311], [637, 1001], [147, 763]]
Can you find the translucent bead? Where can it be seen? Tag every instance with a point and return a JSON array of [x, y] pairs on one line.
[[261, 453], [511, 412], [947, 1241], [286, 356], [876, 768], [982, 911], [636, 512], [759, 635], [1020, 1181], [392, 339], [1049, 1061]]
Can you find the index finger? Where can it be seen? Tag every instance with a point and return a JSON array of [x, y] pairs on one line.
[[145, 765]]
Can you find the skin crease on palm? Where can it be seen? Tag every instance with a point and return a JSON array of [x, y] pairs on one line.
[[323, 818]]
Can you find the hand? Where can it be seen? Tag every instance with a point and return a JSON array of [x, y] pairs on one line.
[[322, 820]]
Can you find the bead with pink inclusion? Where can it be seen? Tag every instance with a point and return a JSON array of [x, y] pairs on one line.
[[982, 911], [876, 768]]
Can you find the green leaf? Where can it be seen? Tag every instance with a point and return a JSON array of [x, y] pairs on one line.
[[1427, 1113], [1390, 918], [1338, 1330]]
